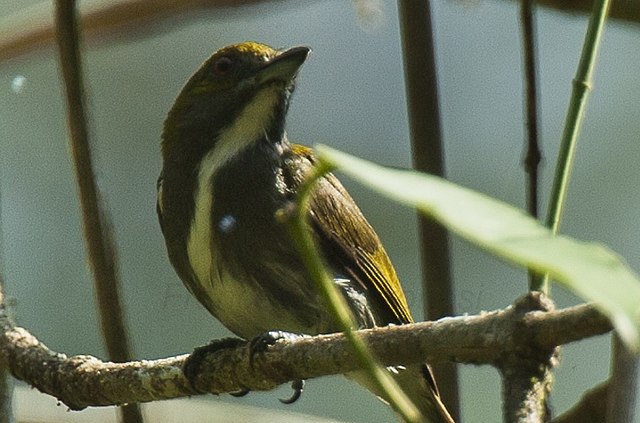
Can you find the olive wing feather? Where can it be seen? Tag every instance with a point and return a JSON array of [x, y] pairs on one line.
[[350, 245]]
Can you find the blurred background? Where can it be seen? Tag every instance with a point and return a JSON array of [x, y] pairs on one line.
[[350, 96]]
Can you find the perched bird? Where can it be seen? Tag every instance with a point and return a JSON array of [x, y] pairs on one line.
[[228, 169]]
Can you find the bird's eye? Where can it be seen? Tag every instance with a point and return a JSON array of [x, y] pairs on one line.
[[222, 66]]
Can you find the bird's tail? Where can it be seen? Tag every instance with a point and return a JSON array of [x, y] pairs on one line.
[[418, 384]]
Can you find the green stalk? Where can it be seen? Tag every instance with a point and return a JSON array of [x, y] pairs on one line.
[[338, 306], [573, 123]]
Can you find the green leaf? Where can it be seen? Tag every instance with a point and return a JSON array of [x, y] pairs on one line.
[[589, 269]]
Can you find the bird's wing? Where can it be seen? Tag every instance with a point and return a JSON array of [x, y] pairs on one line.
[[350, 245]]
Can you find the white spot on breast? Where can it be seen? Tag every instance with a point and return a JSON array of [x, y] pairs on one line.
[[17, 83], [227, 224]]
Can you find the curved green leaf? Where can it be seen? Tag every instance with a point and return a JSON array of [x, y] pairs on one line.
[[589, 269]]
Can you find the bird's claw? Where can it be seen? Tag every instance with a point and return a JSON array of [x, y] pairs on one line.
[[298, 387], [262, 342], [239, 394]]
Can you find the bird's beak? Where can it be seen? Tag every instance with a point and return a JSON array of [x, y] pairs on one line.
[[283, 67]]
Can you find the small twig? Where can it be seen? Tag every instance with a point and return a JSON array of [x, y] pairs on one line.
[[573, 122], [97, 232], [581, 88], [428, 156], [628, 10], [541, 388], [533, 154]]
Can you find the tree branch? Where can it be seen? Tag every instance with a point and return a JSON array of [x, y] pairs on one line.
[[32, 28], [527, 370], [526, 385], [488, 338], [564, 326]]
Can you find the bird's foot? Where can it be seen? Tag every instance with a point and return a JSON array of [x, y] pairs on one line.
[[193, 364], [262, 342]]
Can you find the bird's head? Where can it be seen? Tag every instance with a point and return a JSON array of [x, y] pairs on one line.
[[239, 95]]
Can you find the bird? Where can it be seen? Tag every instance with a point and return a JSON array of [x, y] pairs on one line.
[[228, 170]]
